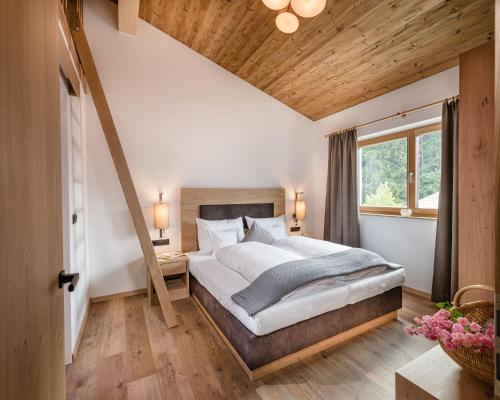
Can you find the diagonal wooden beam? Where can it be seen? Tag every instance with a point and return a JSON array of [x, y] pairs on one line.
[[128, 14], [115, 147], [67, 41], [68, 68]]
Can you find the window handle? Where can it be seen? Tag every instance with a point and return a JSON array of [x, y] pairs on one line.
[[411, 174]]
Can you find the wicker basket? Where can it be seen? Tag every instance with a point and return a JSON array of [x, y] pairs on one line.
[[479, 364]]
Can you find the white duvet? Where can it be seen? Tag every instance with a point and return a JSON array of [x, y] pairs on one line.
[[308, 247], [250, 259]]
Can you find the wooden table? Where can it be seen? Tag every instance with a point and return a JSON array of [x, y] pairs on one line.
[[176, 275], [434, 375]]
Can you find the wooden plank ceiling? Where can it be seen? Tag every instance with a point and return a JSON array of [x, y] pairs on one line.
[[353, 51]]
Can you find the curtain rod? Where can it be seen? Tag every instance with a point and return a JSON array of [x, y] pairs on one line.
[[399, 114]]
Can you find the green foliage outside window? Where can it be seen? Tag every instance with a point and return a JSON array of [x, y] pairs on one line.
[[384, 169], [383, 174], [382, 197], [428, 164]]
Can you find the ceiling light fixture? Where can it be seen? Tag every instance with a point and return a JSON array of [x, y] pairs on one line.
[[287, 22], [276, 4], [308, 8]]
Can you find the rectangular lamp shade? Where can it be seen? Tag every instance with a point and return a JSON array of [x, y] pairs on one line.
[[161, 215], [300, 209]]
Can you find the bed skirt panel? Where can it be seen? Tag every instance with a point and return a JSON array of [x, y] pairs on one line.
[[257, 351]]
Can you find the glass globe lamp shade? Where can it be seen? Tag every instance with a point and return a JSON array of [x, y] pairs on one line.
[[287, 22], [276, 4], [308, 8]]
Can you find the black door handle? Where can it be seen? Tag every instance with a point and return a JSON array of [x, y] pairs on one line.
[[72, 279]]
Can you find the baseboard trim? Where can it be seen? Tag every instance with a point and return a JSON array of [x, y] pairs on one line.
[[119, 295], [80, 333], [417, 293]]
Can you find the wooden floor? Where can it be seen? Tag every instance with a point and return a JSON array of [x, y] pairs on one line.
[[128, 353]]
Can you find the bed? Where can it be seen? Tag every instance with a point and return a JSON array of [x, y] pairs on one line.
[[306, 321]]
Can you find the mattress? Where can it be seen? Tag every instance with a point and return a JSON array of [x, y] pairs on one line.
[[305, 303]]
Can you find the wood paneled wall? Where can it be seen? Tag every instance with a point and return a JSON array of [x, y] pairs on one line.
[[476, 257], [31, 304], [497, 220]]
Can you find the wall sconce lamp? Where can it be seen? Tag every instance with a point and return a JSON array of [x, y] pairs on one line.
[[161, 220], [300, 210]]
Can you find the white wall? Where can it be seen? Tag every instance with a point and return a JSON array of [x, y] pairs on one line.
[[408, 241], [183, 121]]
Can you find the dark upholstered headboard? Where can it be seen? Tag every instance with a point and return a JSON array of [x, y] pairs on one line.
[[224, 204], [230, 211]]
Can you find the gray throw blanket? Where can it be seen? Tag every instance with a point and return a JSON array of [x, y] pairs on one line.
[[275, 283]]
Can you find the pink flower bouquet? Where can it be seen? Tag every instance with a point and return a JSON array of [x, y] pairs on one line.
[[453, 330]]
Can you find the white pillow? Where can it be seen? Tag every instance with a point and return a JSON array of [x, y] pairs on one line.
[[203, 225], [224, 238], [257, 234], [275, 225], [275, 231]]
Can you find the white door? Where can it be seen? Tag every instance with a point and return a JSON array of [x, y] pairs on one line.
[[74, 215]]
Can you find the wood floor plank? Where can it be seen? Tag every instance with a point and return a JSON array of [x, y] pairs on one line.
[[197, 356], [127, 352], [111, 378], [139, 358], [175, 385], [171, 370], [147, 388], [223, 368], [105, 381], [114, 328], [106, 334], [161, 339]]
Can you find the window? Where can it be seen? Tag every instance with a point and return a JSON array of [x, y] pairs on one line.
[[428, 169], [402, 170]]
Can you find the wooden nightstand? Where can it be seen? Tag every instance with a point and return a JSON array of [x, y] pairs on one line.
[[434, 375], [175, 272]]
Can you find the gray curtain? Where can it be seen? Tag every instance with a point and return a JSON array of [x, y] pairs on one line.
[[341, 208], [445, 279]]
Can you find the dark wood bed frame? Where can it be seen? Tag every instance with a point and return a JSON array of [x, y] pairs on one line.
[[263, 355]]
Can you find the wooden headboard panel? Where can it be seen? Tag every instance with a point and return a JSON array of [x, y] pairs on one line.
[[193, 198]]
